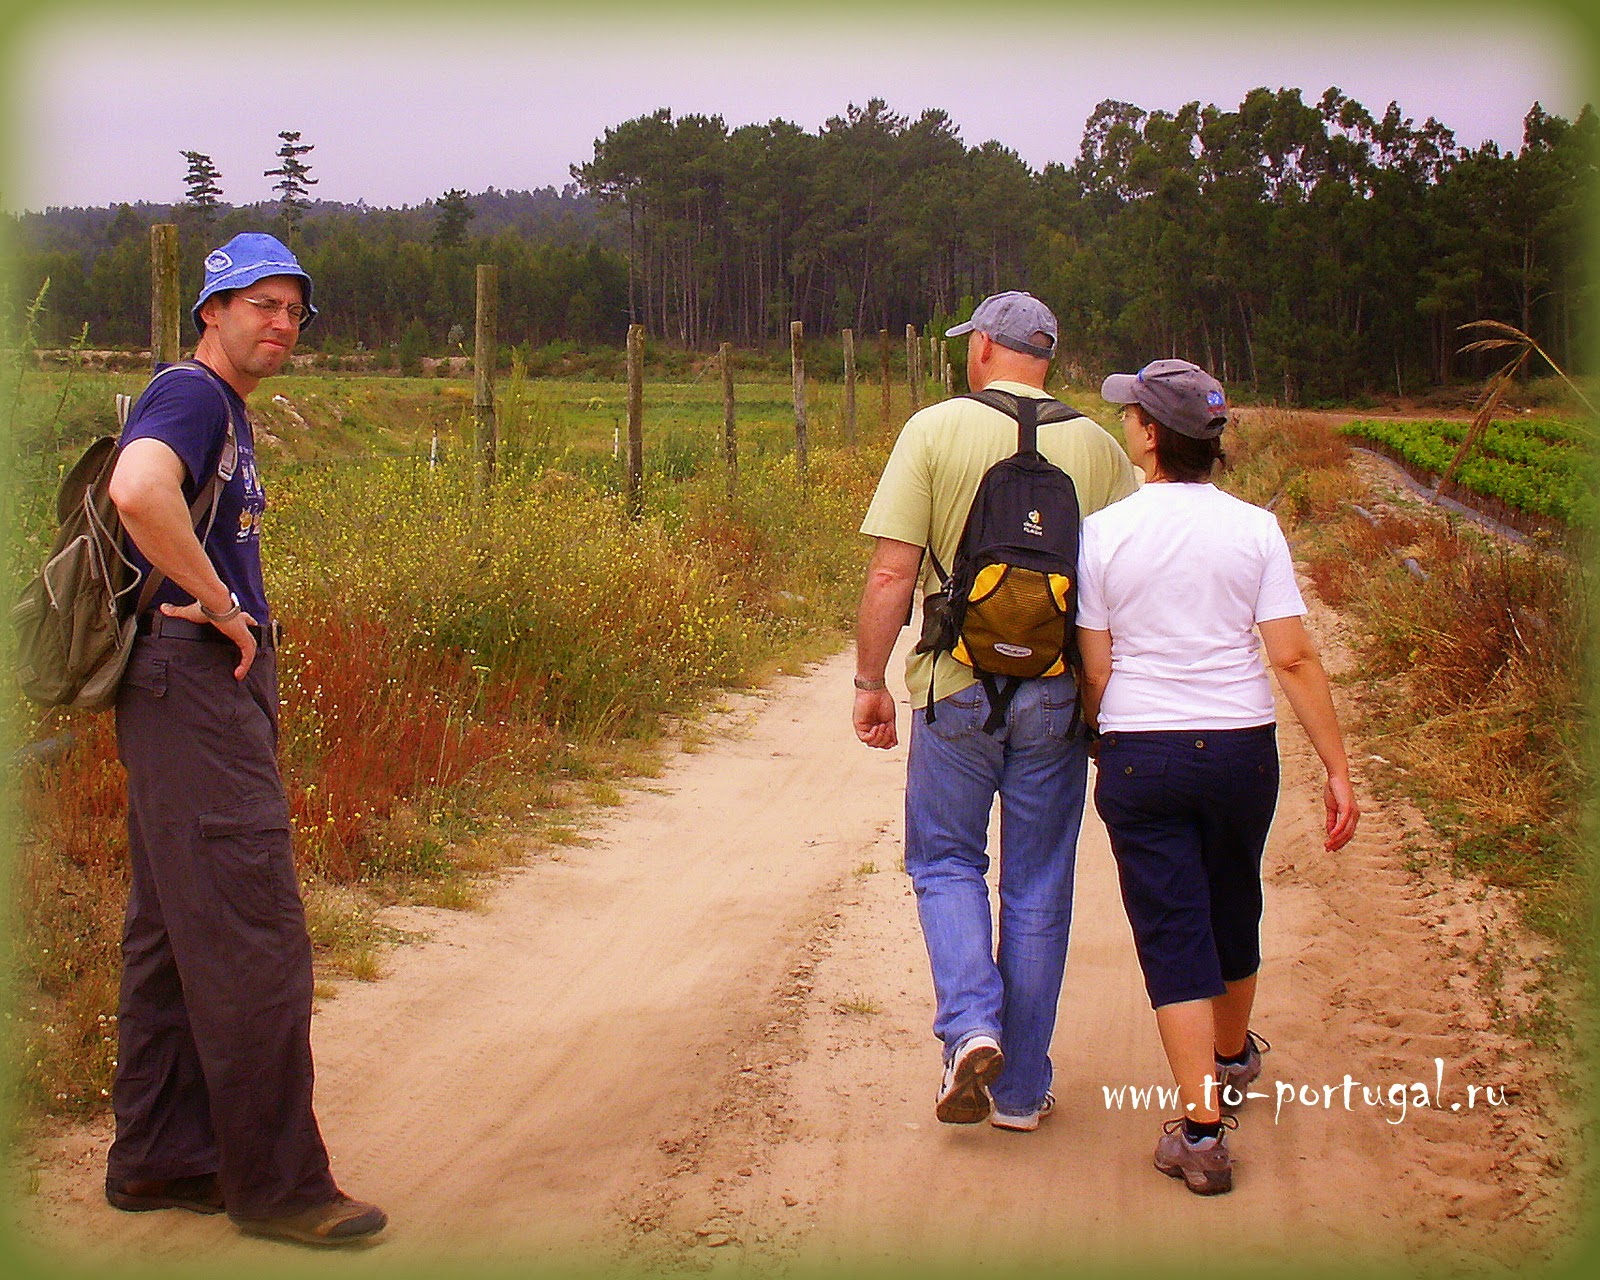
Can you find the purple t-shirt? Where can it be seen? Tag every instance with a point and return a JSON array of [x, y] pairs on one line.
[[185, 410]]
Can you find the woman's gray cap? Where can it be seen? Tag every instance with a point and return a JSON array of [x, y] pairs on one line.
[[1176, 394], [1012, 319]]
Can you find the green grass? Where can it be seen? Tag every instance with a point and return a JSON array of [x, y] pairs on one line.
[[464, 670], [461, 668], [1472, 683]]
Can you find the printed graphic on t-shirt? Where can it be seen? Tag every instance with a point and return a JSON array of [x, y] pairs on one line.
[[254, 499]]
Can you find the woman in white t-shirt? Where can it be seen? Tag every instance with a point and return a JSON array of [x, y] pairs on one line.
[[1174, 583]]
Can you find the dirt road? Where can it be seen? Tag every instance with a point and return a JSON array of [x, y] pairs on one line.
[[702, 1041]]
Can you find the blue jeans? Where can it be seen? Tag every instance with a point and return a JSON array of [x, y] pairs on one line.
[[1039, 770]]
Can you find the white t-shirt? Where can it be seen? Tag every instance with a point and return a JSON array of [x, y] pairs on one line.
[[1179, 574]]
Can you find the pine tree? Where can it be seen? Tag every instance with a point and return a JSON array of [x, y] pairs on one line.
[[293, 180], [125, 224], [454, 214], [204, 194]]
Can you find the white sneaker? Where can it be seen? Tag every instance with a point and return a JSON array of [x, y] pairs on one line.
[[1024, 1121], [964, 1092]]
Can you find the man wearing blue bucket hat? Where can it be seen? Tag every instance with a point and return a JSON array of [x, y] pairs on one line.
[[213, 1091]]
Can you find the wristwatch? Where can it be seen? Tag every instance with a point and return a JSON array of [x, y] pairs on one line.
[[227, 615], [870, 686]]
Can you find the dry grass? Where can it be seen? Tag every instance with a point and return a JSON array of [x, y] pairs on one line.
[[463, 684], [1472, 673], [861, 1006]]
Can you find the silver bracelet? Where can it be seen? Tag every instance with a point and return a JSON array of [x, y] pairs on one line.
[[227, 615], [870, 686]]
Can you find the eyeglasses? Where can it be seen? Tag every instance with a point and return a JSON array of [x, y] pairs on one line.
[[271, 309]]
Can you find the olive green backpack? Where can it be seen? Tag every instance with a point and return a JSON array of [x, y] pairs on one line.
[[75, 621]]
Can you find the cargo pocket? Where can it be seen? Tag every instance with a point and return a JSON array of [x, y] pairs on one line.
[[247, 849]]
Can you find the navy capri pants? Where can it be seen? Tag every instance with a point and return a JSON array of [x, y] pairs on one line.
[[1188, 813]]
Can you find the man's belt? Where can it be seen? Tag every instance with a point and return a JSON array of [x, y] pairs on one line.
[[158, 624]]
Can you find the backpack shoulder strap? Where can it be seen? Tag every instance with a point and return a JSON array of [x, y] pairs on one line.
[[995, 399], [228, 458], [1027, 425], [1023, 410], [1046, 408], [1052, 410]]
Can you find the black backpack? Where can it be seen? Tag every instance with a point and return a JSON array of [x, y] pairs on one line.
[[1007, 605]]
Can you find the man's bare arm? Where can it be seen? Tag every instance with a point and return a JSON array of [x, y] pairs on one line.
[[885, 602], [147, 489]]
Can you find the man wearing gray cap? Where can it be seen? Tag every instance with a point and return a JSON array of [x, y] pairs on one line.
[[212, 1093], [996, 1007]]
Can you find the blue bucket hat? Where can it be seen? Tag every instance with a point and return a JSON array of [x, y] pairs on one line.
[[248, 257]]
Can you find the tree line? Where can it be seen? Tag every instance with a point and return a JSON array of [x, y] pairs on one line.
[[1308, 249], [1312, 250], [380, 273]]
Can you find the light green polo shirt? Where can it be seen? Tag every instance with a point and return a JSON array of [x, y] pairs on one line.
[[931, 477]]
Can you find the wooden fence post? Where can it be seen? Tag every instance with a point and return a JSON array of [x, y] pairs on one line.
[[635, 481], [730, 442], [849, 338], [883, 373], [797, 365], [483, 354], [949, 373], [165, 322], [911, 366]]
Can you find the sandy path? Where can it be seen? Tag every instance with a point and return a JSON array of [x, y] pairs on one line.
[[702, 1040]]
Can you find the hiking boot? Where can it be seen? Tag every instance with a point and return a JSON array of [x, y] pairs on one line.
[[1023, 1121], [1234, 1078], [964, 1092], [340, 1221], [1205, 1166], [197, 1194]]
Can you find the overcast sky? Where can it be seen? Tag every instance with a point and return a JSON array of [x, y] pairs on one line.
[[404, 107]]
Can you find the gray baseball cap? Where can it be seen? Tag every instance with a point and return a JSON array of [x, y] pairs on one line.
[[1176, 394], [1012, 319]]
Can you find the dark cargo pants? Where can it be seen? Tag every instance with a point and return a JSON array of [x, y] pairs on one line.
[[214, 1066]]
